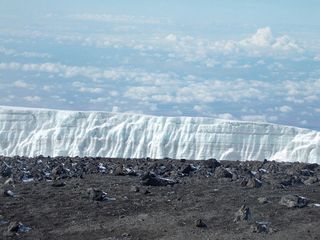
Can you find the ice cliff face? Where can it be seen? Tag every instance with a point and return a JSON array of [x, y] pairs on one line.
[[31, 132]]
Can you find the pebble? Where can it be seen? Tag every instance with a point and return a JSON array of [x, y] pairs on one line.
[[2, 220], [8, 193], [311, 180], [134, 189], [200, 224], [98, 195], [58, 184]]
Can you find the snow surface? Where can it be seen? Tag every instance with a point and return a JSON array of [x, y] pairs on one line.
[[31, 132]]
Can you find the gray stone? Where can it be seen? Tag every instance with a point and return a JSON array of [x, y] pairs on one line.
[[243, 214], [134, 189], [293, 201], [221, 172], [311, 180], [254, 183], [98, 195], [263, 200], [260, 227]]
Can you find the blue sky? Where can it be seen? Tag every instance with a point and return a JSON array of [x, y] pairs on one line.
[[245, 60]]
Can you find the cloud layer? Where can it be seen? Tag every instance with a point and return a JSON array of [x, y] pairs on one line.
[[91, 61]]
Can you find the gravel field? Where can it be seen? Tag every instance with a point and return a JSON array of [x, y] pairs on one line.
[[101, 198]]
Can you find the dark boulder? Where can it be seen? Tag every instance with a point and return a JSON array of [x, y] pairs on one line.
[[212, 163], [189, 169], [221, 172], [151, 179]]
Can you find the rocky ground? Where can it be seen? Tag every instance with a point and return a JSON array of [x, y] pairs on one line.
[[99, 198]]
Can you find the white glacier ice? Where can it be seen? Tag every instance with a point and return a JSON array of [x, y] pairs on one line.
[[31, 132]]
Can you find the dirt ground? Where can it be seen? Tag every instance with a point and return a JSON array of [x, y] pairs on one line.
[[59, 198]]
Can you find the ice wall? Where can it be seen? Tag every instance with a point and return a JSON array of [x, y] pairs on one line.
[[31, 132]]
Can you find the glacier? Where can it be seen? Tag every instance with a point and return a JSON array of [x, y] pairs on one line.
[[32, 132]]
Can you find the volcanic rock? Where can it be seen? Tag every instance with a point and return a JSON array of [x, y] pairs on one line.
[[8, 193], [118, 171], [200, 224], [6, 171], [221, 172], [254, 183], [17, 227], [243, 214], [263, 200], [58, 184], [2, 220], [311, 180], [292, 201], [212, 163], [134, 189], [151, 179], [97, 195], [260, 227], [190, 168]]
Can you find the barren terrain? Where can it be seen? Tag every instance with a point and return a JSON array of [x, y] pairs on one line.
[[100, 198]]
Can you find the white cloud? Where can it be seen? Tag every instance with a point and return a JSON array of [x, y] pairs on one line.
[[227, 116], [198, 108], [115, 109], [114, 93], [27, 54], [7, 99], [284, 109], [59, 98], [32, 98], [304, 122], [90, 72], [126, 19], [21, 84], [201, 91], [98, 100], [171, 38], [285, 43], [302, 91], [90, 90], [311, 98], [262, 38], [262, 43], [48, 88], [193, 49], [10, 66], [254, 118], [174, 89], [272, 118]]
